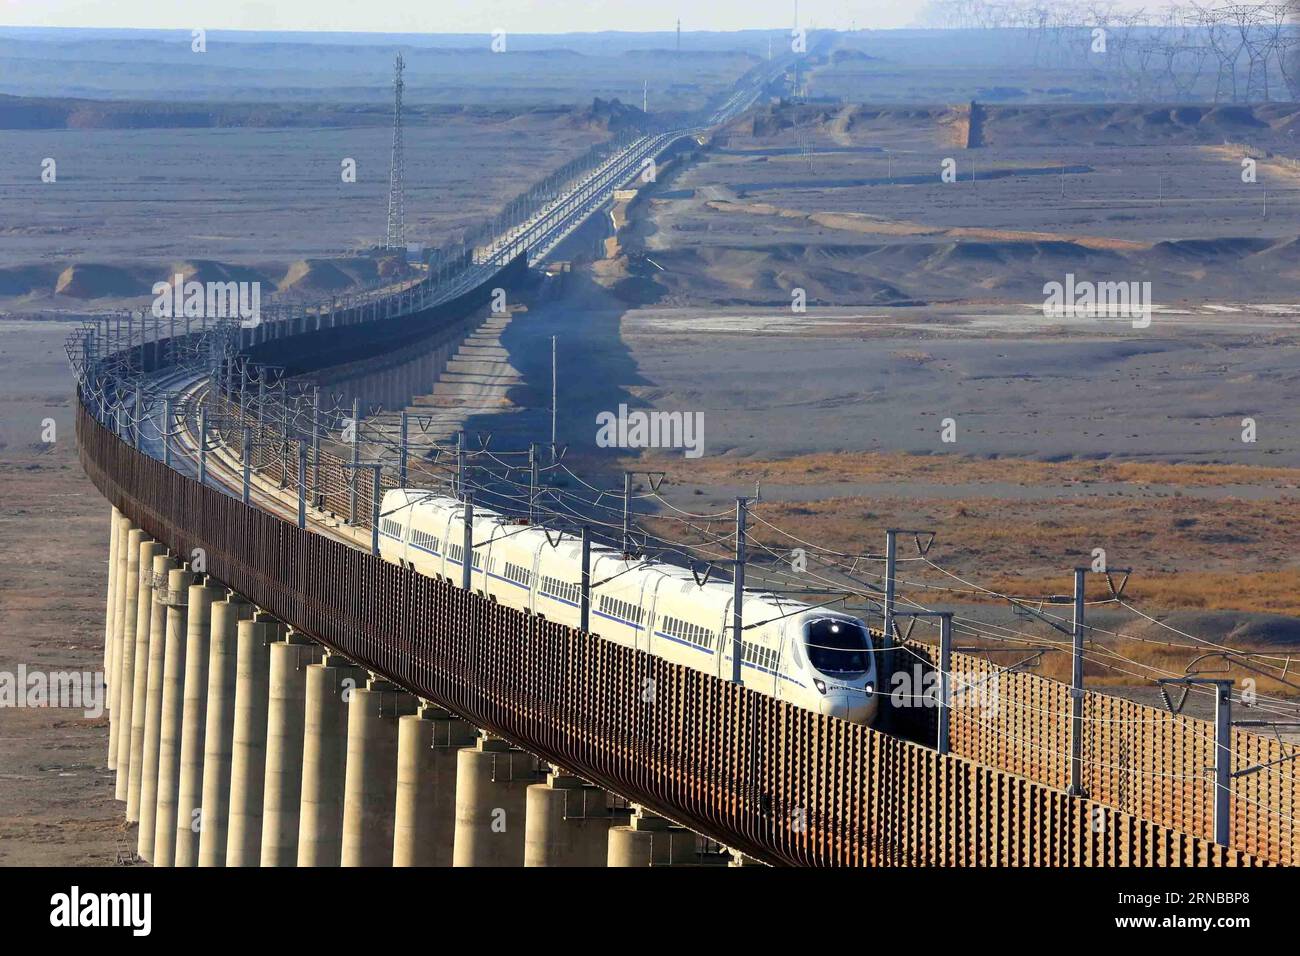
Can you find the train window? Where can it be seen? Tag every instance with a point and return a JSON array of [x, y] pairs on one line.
[[517, 574], [837, 646]]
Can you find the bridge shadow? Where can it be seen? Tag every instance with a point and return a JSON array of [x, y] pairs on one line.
[[596, 373]]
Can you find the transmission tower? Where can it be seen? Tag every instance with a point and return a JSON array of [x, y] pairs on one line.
[[396, 235]]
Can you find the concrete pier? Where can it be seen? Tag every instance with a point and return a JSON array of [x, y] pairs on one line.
[[650, 840], [370, 782], [110, 602], [124, 529], [567, 823], [139, 680], [290, 659], [219, 729], [162, 567], [324, 759], [492, 779], [173, 701], [189, 799], [248, 750], [424, 822]]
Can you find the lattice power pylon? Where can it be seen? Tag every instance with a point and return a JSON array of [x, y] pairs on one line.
[[395, 237]]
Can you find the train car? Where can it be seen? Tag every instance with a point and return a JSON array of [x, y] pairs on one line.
[[813, 657]]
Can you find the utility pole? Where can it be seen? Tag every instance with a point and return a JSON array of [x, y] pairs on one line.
[[885, 672], [247, 454], [554, 397], [166, 427], [532, 482], [402, 452], [375, 494], [585, 619], [315, 443], [1076, 687], [944, 723], [467, 554], [460, 464], [1222, 760], [1223, 774], [284, 447], [395, 237], [302, 484], [356, 461], [627, 513], [945, 680], [738, 593], [203, 446], [891, 569]]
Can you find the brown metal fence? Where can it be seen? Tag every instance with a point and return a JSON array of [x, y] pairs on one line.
[[775, 781], [1139, 759]]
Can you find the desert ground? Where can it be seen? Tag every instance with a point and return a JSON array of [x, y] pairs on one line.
[[923, 303], [1069, 434], [56, 797]]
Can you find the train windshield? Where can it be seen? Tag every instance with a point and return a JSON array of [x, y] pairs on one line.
[[838, 647]]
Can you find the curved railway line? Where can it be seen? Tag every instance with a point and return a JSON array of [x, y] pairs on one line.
[[779, 783]]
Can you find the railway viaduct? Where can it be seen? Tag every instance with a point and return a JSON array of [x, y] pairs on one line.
[[281, 696]]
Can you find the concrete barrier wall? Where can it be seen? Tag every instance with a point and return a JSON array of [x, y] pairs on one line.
[[777, 782], [1139, 759]]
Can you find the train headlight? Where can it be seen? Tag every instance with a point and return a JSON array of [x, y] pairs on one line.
[[819, 684], [869, 689]]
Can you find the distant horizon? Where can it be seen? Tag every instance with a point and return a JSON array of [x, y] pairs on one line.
[[445, 33], [464, 17]]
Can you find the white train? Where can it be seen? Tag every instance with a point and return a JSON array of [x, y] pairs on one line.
[[813, 657]]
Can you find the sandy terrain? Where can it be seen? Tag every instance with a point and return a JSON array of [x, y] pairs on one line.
[[924, 304], [137, 202], [849, 205], [56, 797]]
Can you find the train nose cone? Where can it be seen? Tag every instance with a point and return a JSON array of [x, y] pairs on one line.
[[858, 708]]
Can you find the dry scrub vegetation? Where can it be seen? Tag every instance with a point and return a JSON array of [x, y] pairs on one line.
[[1228, 544], [849, 467]]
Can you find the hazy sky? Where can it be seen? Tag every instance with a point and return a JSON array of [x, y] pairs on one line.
[[469, 16], [457, 16]]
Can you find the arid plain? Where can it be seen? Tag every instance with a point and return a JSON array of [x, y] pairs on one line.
[[923, 303]]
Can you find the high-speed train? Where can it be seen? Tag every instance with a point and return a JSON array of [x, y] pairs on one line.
[[813, 657]]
